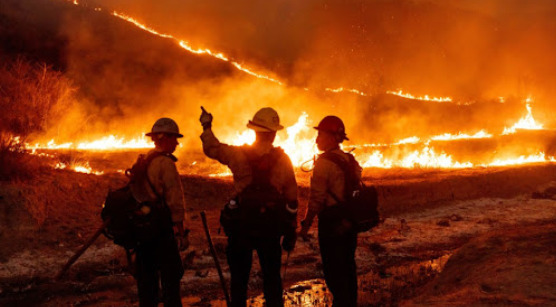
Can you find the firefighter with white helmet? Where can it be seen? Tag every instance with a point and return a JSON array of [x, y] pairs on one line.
[[158, 260], [337, 238], [264, 209]]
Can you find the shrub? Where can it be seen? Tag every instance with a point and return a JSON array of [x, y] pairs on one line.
[[31, 97]]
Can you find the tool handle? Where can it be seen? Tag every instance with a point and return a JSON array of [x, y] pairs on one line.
[[215, 257], [81, 250]]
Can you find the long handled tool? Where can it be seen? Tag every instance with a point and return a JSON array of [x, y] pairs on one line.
[[216, 262], [81, 250], [285, 271]]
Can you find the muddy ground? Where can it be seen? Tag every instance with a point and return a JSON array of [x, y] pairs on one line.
[[464, 237]]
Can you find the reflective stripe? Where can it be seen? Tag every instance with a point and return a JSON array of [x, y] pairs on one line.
[[290, 210]]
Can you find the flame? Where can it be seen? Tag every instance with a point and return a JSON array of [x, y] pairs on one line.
[[536, 158], [426, 158], [482, 134], [107, 143], [298, 145], [341, 89], [424, 98], [204, 51], [78, 167], [526, 122]]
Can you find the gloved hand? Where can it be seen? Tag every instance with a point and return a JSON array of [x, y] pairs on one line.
[[183, 242], [304, 232], [205, 119], [182, 236], [288, 242]]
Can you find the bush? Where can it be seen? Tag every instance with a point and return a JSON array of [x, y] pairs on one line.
[[31, 97]]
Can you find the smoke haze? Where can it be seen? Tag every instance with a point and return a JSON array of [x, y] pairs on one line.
[[472, 51]]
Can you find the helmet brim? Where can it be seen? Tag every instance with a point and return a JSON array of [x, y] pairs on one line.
[[345, 138], [260, 128], [178, 135]]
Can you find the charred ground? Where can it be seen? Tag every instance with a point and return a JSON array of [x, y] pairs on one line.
[[429, 218]]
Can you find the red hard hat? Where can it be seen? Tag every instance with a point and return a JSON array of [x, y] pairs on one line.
[[334, 125]]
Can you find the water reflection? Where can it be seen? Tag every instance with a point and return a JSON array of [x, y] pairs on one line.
[[377, 288]]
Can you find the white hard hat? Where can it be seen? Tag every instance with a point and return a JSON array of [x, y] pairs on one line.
[[165, 125], [265, 120]]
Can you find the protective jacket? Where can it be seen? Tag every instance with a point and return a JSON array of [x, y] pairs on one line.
[[327, 176], [282, 175], [164, 176]]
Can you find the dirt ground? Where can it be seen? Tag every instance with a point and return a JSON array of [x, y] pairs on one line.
[[468, 237]]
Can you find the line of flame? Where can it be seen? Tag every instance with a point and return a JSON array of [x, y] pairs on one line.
[[424, 98], [110, 142], [185, 45], [221, 56], [527, 122], [78, 167]]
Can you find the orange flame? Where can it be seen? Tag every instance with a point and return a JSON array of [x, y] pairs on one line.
[[107, 143], [424, 98], [527, 122], [78, 167]]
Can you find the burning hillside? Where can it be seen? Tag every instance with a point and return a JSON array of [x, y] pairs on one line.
[[390, 129], [448, 106]]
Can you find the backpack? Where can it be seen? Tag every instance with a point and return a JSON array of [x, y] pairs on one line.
[[261, 208], [132, 222], [360, 206]]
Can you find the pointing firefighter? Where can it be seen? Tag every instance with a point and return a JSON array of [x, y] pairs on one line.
[[337, 237], [264, 209], [157, 255]]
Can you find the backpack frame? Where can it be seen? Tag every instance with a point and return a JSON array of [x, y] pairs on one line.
[[360, 204]]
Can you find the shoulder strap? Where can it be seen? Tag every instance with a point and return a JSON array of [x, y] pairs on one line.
[[261, 165], [345, 166], [148, 159]]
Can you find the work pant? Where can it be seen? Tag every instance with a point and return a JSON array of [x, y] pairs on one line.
[[159, 259], [240, 257], [338, 264]]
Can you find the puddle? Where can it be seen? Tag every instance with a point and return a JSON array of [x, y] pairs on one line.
[[385, 288], [376, 288]]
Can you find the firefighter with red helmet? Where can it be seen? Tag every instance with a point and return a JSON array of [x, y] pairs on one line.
[[337, 238], [265, 206]]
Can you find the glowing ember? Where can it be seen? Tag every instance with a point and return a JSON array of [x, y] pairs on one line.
[[527, 122], [424, 98]]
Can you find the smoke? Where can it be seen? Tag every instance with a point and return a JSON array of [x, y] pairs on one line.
[[471, 51]]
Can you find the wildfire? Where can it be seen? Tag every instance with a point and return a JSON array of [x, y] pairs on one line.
[[78, 167], [298, 145], [527, 122], [540, 157], [299, 142], [424, 98], [341, 89], [205, 51], [110, 142], [426, 158], [448, 137]]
